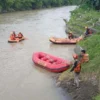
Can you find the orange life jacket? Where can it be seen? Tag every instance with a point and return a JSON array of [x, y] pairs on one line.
[[85, 58], [77, 68], [12, 37], [20, 35]]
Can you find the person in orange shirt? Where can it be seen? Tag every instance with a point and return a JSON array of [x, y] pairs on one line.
[[20, 35], [13, 36], [84, 56]]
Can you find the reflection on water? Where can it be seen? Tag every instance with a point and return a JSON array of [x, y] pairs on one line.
[[20, 79]]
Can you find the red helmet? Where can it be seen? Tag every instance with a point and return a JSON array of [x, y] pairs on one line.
[[75, 56]]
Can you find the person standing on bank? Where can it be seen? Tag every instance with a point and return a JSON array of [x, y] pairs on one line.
[[77, 69], [84, 56]]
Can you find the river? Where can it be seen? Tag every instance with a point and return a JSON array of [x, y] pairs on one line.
[[20, 79]]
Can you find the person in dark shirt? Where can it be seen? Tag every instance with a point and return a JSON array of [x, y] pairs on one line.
[[88, 31], [70, 35], [77, 69]]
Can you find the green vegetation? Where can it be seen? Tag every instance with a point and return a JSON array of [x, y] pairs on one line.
[[92, 45], [80, 18], [84, 17], [10, 5], [87, 14], [97, 97]]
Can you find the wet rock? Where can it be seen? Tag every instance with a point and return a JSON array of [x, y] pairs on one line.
[[58, 84]]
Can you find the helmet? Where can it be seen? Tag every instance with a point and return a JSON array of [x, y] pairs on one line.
[[70, 32], [86, 27], [75, 56], [11, 33], [83, 51]]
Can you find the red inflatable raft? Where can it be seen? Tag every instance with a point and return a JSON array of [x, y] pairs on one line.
[[50, 62], [65, 40]]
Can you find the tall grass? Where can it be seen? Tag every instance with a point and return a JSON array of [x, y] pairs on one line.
[[84, 17], [97, 98], [92, 45]]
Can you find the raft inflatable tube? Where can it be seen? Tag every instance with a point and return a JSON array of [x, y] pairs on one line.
[[15, 41], [50, 62], [65, 40]]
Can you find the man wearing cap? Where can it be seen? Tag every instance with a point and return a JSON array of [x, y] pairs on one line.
[[77, 69]]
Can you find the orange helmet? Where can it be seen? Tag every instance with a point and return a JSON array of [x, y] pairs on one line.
[[75, 56]]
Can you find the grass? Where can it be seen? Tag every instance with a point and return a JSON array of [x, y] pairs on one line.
[[81, 18], [91, 18], [65, 75], [92, 46], [97, 97]]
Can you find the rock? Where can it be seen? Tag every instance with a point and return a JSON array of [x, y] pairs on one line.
[[75, 96], [58, 84]]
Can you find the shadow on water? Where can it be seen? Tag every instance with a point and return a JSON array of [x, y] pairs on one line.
[[20, 78]]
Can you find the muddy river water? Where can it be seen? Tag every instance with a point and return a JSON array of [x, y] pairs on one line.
[[20, 78]]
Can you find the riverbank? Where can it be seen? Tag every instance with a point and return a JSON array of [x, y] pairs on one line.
[[83, 17], [90, 75]]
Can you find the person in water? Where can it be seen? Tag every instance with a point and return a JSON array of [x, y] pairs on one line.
[[77, 69], [13, 36], [70, 35], [88, 31], [20, 35]]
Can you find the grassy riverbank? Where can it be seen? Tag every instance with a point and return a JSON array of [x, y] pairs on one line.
[[90, 75], [83, 17], [92, 45]]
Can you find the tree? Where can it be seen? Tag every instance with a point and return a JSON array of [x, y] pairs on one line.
[[6, 4]]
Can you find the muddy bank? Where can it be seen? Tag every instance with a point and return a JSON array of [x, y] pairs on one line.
[[87, 90], [89, 83]]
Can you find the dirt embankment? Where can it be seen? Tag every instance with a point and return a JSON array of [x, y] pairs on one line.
[[89, 86]]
